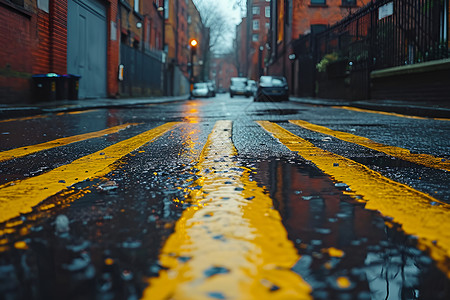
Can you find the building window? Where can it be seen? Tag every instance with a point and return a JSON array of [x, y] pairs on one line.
[[267, 12], [255, 10], [43, 4], [136, 5], [255, 24], [255, 37], [318, 2], [348, 2], [267, 25]]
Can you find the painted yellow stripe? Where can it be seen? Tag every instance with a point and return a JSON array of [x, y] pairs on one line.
[[230, 244], [46, 116], [388, 113], [23, 151], [404, 154], [408, 207], [24, 118], [23, 195]]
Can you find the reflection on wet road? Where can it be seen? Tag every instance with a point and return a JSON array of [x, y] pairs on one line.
[[201, 200], [230, 243]]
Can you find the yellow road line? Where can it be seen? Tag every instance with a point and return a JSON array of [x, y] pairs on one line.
[[24, 118], [408, 207], [22, 151], [388, 113], [47, 115], [25, 194], [230, 244], [404, 154]]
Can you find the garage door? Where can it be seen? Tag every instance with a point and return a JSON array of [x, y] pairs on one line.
[[86, 46]]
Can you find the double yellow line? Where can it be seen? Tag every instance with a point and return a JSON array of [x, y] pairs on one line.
[[230, 243], [20, 197], [412, 209]]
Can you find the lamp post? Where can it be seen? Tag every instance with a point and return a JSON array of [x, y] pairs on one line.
[[260, 64], [162, 10], [193, 45]]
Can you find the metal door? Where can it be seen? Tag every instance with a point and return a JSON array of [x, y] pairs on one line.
[[86, 46]]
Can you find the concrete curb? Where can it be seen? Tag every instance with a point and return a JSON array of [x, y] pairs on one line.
[[7, 112], [432, 110]]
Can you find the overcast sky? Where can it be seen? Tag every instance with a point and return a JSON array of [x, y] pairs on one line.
[[229, 8]]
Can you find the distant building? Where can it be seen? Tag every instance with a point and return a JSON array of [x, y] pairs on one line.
[[259, 14], [222, 69]]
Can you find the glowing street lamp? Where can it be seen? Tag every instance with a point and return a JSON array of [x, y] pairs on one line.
[[193, 43]]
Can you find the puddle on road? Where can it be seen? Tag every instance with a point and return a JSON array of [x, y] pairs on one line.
[[347, 252], [278, 112]]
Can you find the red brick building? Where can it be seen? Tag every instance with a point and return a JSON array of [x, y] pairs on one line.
[[292, 18], [241, 47], [259, 14], [222, 69], [81, 37]]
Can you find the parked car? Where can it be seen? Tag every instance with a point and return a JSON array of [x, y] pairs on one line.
[[200, 90], [212, 88], [272, 88], [251, 88], [238, 86]]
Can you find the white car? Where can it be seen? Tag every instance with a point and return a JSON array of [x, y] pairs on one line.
[[251, 88], [200, 90]]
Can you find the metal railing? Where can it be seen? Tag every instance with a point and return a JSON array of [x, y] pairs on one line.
[[383, 34], [388, 33]]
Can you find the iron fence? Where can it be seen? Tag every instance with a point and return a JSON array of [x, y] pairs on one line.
[[143, 72], [390, 33], [383, 34]]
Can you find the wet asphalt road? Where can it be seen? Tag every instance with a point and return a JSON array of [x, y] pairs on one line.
[[210, 209]]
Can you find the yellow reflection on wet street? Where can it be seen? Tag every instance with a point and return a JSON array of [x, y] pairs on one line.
[[230, 244], [418, 213], [191, 113], [21, 196]]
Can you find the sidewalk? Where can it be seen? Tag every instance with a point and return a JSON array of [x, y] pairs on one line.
[[421, 109], [14, 111]]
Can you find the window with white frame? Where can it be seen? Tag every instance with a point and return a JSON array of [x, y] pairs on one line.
[[136, 5], [267, 12], [255, 37], [255, 10], [267, 25], [255, 24]]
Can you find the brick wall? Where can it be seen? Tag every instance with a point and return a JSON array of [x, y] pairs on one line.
[[58, 36], [112, 49], [17, 38]]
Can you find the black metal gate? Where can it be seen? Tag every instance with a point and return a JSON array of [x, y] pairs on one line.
[[143, 72]]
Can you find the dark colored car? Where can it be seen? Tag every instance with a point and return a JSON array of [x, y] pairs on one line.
[[238, 86], [272, 88]]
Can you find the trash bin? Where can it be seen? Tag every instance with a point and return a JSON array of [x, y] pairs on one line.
[[73, 84], [45, 87], [62, 84]]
